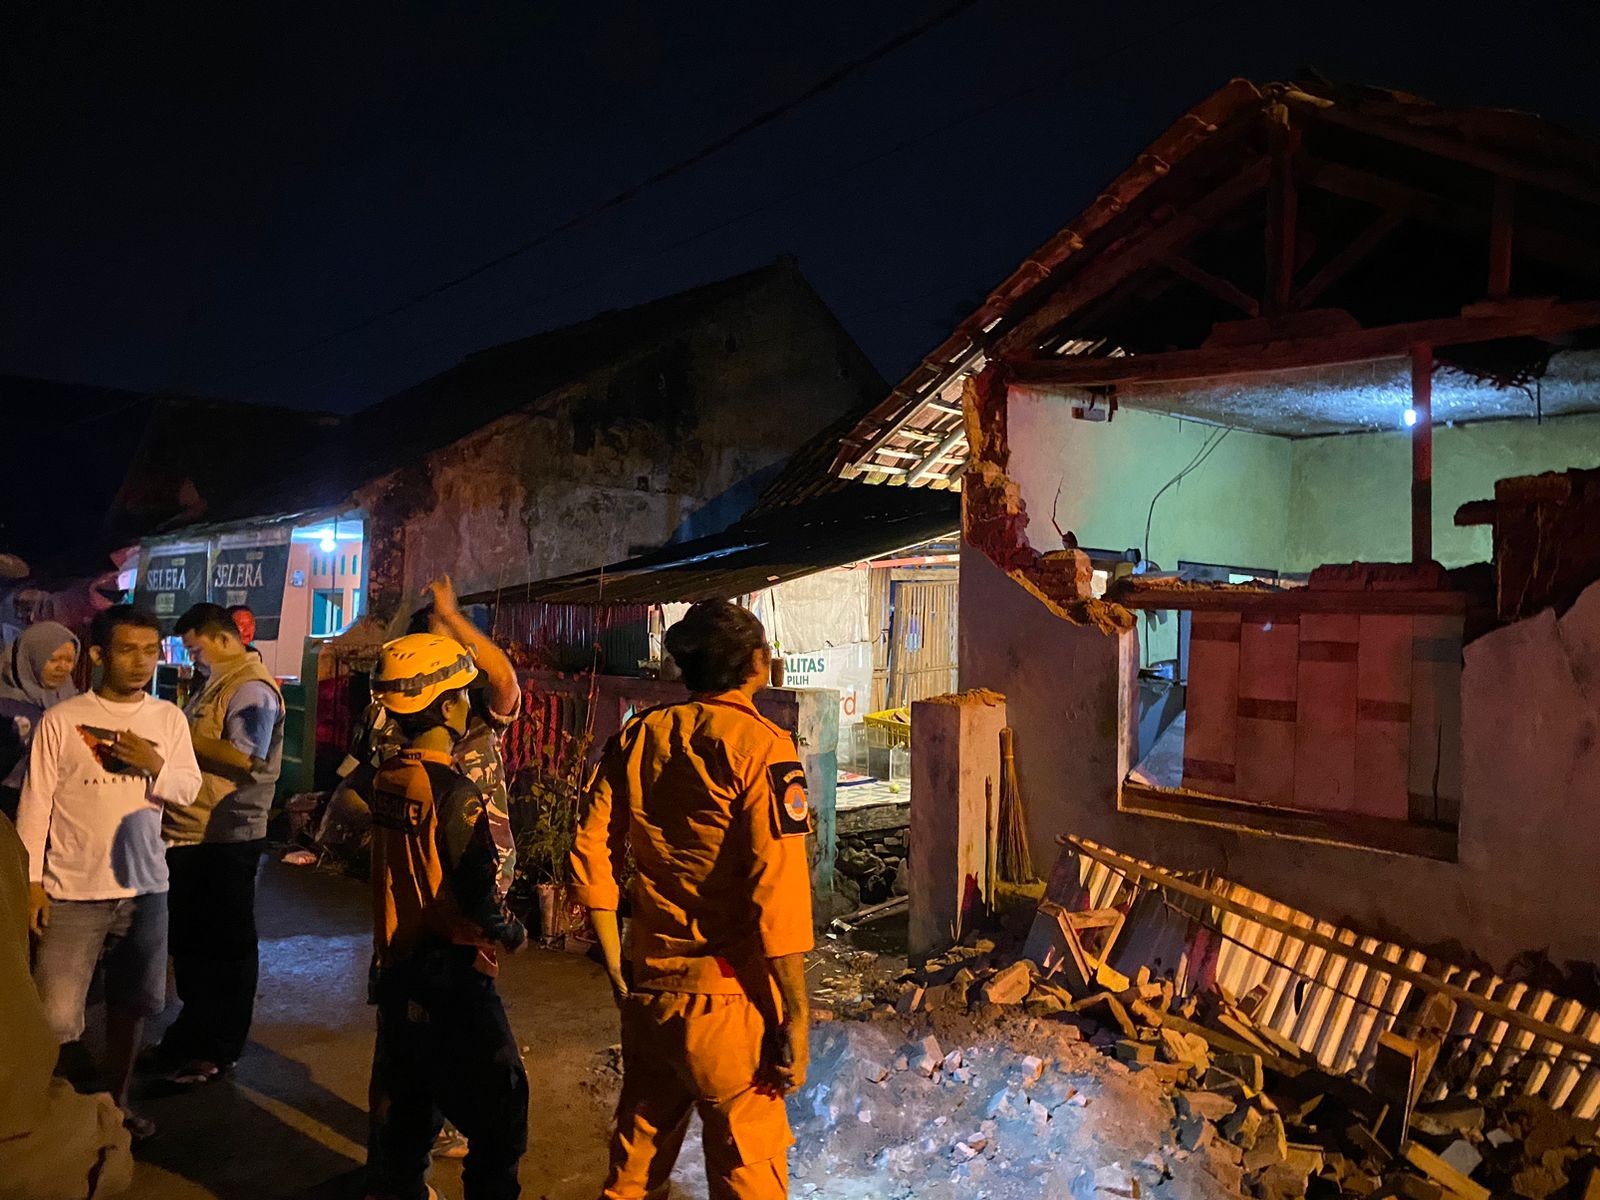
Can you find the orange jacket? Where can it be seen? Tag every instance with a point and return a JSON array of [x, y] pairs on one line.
[[710, 798]]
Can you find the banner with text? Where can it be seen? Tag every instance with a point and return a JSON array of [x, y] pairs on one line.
[[170, 582], [253, 576]]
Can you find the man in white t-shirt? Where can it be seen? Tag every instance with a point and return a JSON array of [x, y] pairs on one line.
[[102, 768]]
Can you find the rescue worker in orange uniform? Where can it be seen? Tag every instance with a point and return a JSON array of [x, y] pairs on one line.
[[709, 797], [444, 1047]]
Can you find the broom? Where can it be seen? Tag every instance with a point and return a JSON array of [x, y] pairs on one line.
[[1015, 864]]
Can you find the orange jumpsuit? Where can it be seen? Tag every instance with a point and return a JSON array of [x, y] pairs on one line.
[[709, 796]]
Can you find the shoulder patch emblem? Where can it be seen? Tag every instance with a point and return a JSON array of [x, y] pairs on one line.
[[791, 806]]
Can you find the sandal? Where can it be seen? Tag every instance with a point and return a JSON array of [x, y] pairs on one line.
[[139, 1128], [197, 1072]]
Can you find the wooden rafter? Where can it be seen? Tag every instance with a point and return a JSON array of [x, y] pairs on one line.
[[1363, 345], [1337, 267], [1143, 249], [1222, 289], [1501, 218], [1557, 249], [1548, 178]]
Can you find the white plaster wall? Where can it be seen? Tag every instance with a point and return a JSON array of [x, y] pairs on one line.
[[1529, 871]]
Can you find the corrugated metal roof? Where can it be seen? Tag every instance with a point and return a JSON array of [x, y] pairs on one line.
[[848, 526]]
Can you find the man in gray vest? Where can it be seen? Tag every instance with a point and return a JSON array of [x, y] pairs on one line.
[[215, 844]]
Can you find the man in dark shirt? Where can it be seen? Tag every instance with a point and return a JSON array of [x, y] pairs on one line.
[[444, 1048]]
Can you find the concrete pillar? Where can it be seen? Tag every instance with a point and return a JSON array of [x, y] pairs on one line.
[[812, 715], [955, 797]]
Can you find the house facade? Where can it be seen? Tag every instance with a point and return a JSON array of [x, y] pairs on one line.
[[1212, 441]]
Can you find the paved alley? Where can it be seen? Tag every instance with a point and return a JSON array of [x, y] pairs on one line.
[[292, 1121]]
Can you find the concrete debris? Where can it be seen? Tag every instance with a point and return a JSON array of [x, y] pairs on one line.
[[1245, 1112]]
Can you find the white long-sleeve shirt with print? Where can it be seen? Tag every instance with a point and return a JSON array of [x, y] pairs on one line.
[[93, 832]]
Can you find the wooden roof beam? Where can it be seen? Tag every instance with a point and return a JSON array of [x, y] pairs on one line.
[[1528, 319], [1143, 249], [1557, 249], [1222, 289], [1548, 178], [1337, 267]]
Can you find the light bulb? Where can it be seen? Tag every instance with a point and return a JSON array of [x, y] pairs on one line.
[[1409, 416], [327, 545]]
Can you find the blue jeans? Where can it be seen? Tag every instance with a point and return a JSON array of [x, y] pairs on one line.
[[126, 938]]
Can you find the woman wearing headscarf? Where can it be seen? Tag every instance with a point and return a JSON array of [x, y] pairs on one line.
[[35, 673]]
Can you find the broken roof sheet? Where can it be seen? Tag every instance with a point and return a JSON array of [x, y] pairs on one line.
[[850, 525], [1394, 212]]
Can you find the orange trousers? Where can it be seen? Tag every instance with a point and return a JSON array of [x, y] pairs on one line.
[[682, 1053]]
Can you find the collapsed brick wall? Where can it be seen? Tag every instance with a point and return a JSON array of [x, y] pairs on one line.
[[995, 516], [874, 861]]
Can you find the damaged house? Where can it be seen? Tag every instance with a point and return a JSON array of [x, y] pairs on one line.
[[1279, 555]]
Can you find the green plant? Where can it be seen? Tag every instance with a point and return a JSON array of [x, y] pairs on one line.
[[546, 802]]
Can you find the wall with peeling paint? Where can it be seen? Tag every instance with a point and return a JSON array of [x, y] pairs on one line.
[[1530, 820], [622, 458], [1351, 495]]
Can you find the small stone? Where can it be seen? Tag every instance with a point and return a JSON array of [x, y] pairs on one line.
[[952, 1060], [1499, 1137], [902, 1063], [1032, 1068], [910, 1000]]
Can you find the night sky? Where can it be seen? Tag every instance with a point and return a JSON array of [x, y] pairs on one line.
[[196, 194]]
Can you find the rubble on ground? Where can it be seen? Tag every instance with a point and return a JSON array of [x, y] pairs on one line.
[[1245, 1105]]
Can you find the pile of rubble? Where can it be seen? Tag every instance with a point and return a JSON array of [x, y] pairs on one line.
[[1248, 1107]]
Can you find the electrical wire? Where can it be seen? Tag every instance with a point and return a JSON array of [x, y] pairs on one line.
[[1195, 464], [495, 309], [762, 119]]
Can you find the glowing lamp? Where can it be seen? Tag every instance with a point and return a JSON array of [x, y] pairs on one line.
[[1409, 416], [328, 545]]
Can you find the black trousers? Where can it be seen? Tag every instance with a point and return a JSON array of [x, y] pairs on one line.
[[444, 1050], [212, 939]]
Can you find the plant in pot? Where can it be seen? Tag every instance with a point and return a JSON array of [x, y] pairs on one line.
[[545, 806]]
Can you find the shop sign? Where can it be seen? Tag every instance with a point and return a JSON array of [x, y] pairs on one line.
[[252, 576], [170, 583]]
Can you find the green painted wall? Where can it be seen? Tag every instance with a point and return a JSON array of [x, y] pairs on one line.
[[1350, 496], [1099, 477]]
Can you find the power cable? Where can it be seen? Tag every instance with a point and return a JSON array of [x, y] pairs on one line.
[[494, 310], [1195, 464], [760, 120]]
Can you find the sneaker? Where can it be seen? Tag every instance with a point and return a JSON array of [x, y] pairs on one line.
[[451, 1143]]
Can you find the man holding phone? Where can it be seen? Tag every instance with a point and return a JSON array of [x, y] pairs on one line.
[[102, 768]]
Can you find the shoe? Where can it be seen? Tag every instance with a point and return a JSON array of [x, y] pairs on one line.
[[451, 1143]]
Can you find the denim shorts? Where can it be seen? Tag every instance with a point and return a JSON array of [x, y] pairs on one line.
[[126, 939]]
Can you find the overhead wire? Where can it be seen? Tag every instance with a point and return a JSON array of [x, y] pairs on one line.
[[762, 119], [493, 310]]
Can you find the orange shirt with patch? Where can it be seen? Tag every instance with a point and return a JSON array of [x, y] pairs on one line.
[[709, 796]]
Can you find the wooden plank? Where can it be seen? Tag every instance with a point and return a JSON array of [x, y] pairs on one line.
[[1502, 216], [1288, 603], [1549, 178], [1340, 265], [1530, 319], [1331, 828], [1222, 289], [1353, 183], [1134, 869], [1100, 273]]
